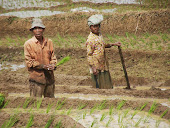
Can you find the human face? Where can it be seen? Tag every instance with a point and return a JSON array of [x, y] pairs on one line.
[[38, 32], [95, 29]]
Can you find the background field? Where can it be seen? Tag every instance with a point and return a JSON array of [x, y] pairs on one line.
[[143, 29]]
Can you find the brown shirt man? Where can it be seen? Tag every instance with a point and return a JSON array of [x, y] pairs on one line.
[[37, 55], [40, 61]]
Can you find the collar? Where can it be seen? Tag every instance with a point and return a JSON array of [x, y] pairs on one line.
[[36, 41], [95, 34]]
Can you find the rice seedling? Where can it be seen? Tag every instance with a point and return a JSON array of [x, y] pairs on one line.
[[6, 103], [153, 107], [93, 109], [146, 119], [103, 116], [10, 123], [30, 121], [69, 111], [58, 125], [143, 106], [2, 99], [48, 124], [119, 118], [157, 123], [163, 114], [138, 122], [125, 113], [135, 112], [59, 106], [120, 105], [81, 106], [84, 114], [39, 103], [111, 110], [49, 107], [27, 101], [109, 121], [102, 105], [65, 59], [94, 122]]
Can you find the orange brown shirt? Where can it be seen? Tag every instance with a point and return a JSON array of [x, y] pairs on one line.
[[96, 55], [36, 55]]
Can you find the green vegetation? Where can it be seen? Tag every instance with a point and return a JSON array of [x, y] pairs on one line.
[[48, 124], [27, 101], [30, 121], [10, 123], [65, 59], [120, 105], [2, 99], [146, 41], [60, 104], [164, 113], [39, 103]]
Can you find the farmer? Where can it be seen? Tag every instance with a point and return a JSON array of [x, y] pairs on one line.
[[40, 61], [96, 56]]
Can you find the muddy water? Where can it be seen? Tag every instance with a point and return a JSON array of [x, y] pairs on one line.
[[12, 67], [17, 4], [86, 9], [112, 1], [164, 102], [39, 13], [25, 14], [115, 119]]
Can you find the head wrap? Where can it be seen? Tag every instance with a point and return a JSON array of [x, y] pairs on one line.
[[95, 19], [37, 22]]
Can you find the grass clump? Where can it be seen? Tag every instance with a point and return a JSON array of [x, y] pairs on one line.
[[27, 101], [2, 99], [10, 123], [120, 105], [30, 121], [81, 106], [49, 122], [102, 105], [60, 105]]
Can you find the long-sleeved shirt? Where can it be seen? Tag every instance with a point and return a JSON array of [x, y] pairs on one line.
[[37, 55], [96, 55]]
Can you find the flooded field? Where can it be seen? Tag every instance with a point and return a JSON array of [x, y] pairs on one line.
[[143, 29]]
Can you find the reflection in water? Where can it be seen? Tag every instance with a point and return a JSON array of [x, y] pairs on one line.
[[86, 9], [17, 4], [25, 14], [12, 67], [112, 1]]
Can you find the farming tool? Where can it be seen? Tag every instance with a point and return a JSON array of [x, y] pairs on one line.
[[124, 68]]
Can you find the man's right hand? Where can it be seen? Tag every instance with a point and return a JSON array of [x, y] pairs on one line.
[[49, 67]]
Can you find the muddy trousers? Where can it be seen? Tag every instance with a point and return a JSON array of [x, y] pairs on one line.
[[39, 90], [102, 80]]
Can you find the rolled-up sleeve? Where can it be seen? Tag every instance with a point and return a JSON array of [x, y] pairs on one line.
[[30, 56]]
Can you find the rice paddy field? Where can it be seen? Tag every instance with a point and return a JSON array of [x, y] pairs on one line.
[[143, 28]]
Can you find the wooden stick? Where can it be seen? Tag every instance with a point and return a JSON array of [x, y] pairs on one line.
[[124, 67]]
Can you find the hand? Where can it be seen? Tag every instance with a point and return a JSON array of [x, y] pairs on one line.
[[49, 67], [95, 72], [116, 44]]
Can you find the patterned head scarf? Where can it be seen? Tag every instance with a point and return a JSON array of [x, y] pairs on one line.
[[95, 19]]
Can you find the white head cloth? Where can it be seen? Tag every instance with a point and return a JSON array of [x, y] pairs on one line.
[[95, 19]]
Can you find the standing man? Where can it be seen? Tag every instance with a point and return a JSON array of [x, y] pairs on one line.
[[96, 56], [40, 61]]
